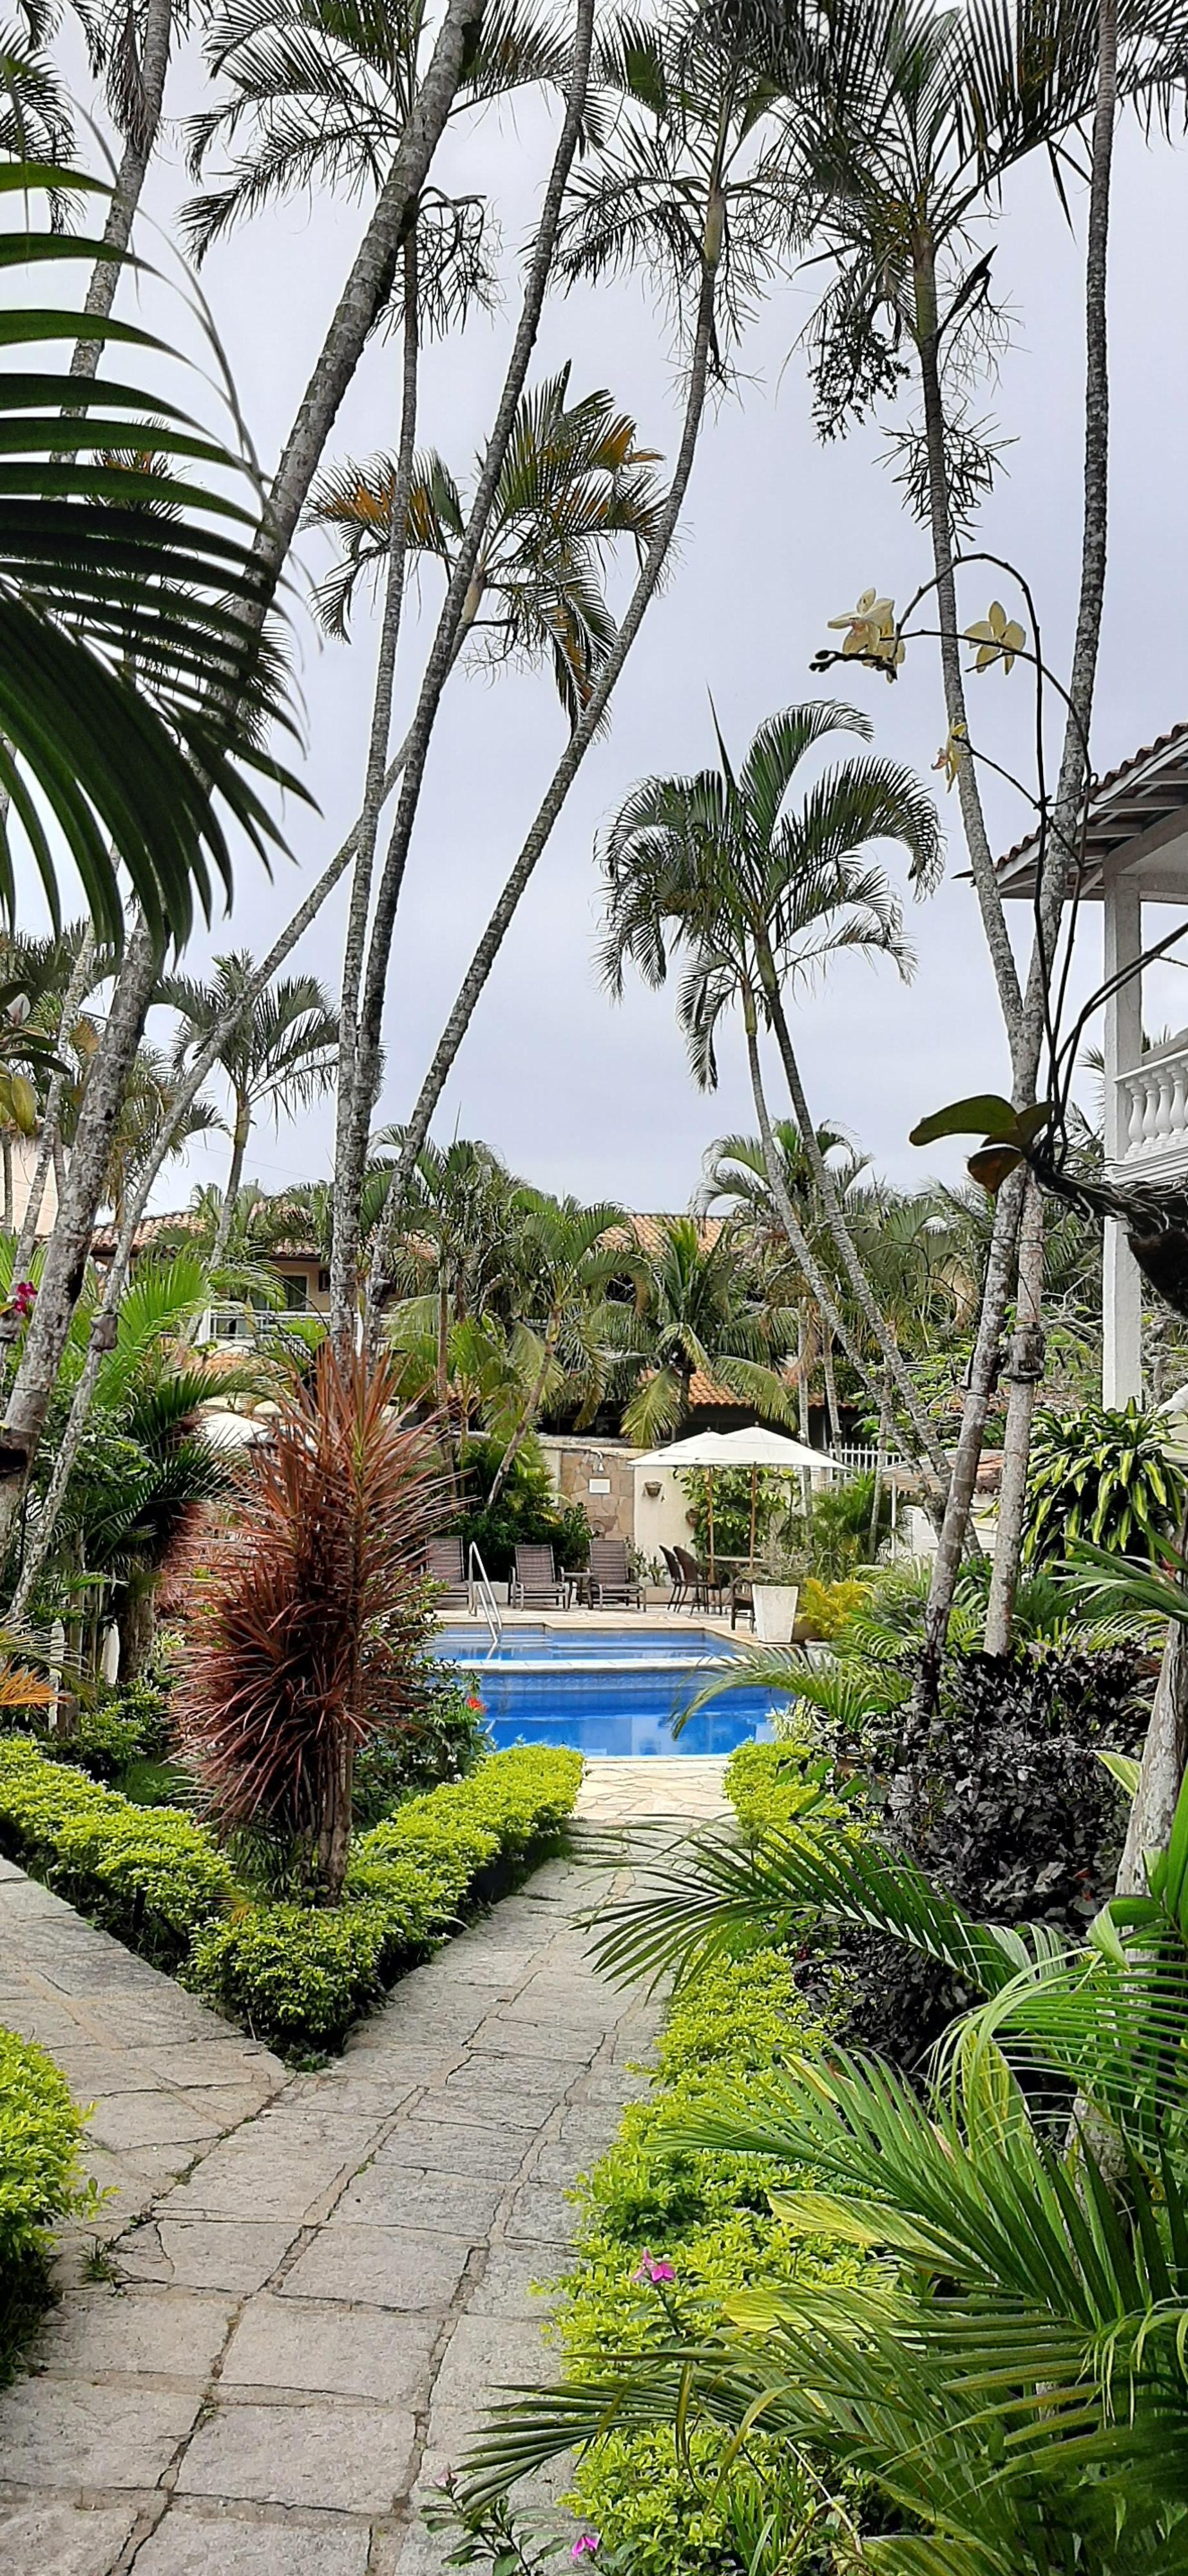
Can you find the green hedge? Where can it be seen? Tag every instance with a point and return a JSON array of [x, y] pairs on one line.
[[659, 2512], [149, 1875], [294, 1975], [299, 1976], [40, 2181]]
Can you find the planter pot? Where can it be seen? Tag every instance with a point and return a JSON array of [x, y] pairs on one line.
[[775, 1612]]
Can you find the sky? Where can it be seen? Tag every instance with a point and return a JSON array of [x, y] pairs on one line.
[[780, 533]]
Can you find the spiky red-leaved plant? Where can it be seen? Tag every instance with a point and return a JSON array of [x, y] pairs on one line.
[[313, 1610]]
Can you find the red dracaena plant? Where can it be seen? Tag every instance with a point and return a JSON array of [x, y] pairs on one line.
[[314, 1611]]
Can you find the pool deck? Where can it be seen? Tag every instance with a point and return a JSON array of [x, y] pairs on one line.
[[567, 1623]]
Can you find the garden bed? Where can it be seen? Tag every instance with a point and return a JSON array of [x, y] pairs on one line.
[[295, 1975]]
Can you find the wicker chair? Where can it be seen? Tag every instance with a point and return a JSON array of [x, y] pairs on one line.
[[536, 1584], [610, 1577]]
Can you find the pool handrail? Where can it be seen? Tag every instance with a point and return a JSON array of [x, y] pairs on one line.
[[482, 1598]]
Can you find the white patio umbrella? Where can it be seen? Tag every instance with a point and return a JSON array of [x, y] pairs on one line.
[[758, 1446]]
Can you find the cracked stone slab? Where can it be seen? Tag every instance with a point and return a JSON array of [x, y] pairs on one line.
[[236, 2255], [343, 2459], [65, 2538], [375, 2266], [143, 2333], [339, 2351], [186, 2543], [74, 2433]]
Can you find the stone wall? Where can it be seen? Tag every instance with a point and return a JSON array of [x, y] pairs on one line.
[[597, 1475]]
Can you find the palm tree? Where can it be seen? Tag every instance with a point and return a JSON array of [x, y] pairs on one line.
[[736, 1181], [571, 1265], [280, 1056], [757, 896], [694, 1314], [573, 481]]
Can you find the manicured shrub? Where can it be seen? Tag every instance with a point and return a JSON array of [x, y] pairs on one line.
[[149, 1875], [299, 1975], [294, 1974], [708, 2216], [40, 2180]]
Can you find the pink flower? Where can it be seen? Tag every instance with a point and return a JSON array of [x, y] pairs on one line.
[[653, 2272], [585, 2546]]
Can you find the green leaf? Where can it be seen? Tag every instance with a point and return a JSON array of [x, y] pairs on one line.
[[985, 1113]]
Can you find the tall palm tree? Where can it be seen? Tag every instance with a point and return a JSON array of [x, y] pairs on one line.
[[758, 896], [736, 1181], [693, 1313], [681, 179], [280, 1056]]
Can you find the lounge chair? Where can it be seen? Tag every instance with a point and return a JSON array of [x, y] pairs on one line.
[[678, 1598], [610, 1577], [446, 1568], [536, 1584], [708, 1590]]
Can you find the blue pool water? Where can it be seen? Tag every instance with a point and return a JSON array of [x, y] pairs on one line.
[[617, 1691]]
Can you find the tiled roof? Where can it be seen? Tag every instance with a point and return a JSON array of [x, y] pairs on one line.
[[1138, 793], [649, 1231]]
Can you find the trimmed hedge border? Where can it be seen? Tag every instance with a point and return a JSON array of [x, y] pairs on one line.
[[294, 1975], [40, 2181], [707, 2220]]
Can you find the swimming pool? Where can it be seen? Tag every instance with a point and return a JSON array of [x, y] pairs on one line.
[[608, 1691]]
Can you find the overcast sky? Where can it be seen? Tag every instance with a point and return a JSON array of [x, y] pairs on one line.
[[780, 534]]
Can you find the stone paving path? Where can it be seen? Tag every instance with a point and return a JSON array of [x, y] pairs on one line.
[[316, 2279]]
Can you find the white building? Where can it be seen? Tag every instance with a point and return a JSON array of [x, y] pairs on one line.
[[1136, 854]]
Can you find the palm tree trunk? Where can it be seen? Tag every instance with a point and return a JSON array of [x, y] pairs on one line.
[[983, 1378], [69, 1244], [880, 1466], [828, 1372], [830, 1312], [1025, 1368], [351, 1131], [893, 1361], [566, 771], [6, 1157], [239, 1145], [139, 146], [459, 595], [75, 995], [366, 289]]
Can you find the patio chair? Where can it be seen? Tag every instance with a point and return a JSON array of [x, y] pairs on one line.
[[445, 1567], [610, 1577], [536, 1584], [742, 1598], [678, 1598], [708, 1590]]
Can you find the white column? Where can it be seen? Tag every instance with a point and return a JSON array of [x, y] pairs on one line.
[[1122, 1311]]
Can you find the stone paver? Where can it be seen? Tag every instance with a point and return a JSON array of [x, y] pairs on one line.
[[323, 2277]]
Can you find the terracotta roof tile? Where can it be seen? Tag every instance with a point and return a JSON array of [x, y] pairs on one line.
[[1175, 740]]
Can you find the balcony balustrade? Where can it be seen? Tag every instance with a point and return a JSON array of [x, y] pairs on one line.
[[1152, 1119]]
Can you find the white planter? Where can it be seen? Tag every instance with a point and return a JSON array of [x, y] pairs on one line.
[[775, 1612]]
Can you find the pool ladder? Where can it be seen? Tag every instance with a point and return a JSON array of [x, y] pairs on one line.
[[482, 1599]]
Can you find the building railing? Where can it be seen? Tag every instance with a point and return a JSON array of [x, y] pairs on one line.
[[226, 1324], [1152, 1119]]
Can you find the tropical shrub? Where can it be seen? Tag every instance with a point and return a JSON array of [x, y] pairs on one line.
[[667, 2236], [448, 1739], [824, 1610], [528, 1512], [1010, 2380], [1103, 1476], [40, 2180], [296, 1974], [308, 1641]]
